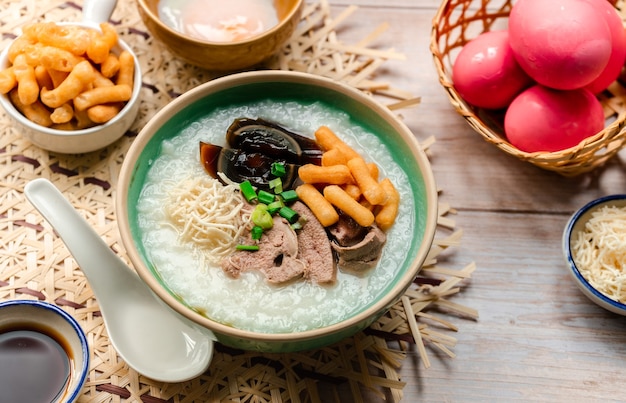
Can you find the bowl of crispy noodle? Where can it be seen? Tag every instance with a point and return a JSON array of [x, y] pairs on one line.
[[594, 246]]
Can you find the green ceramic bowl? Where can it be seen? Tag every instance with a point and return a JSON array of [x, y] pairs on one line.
[[284, 87]]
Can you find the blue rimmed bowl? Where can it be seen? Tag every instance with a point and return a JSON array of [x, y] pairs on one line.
[[51, 322], [576, 224], [241, 90]]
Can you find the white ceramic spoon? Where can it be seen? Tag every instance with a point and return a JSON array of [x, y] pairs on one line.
[[151, 337], [97, 11]]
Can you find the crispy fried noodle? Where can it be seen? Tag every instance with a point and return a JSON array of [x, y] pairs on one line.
[[600, 252], [208, 213]]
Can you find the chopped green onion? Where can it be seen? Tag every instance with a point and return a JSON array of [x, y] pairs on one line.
[[251, 248], [299, 224], [289, 196], [289, 214], [265, 197], [277, 185], [248, 191], [261, 217], [256, 232], [275, 206], [278, 169]]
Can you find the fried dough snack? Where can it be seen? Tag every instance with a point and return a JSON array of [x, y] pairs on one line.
[[345, 181], [66, 76]]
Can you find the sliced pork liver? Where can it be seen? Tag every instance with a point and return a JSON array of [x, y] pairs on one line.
[[357, 248], [276, 258], [314, 248], [285, 255]]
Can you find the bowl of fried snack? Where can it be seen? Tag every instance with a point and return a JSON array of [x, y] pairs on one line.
[[70, 87]]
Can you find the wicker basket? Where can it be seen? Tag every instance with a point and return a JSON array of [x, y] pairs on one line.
[[459, 21]]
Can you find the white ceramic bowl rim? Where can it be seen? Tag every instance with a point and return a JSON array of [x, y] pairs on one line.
[[567, 249], [198, 41], [11, 110], [80, 334]]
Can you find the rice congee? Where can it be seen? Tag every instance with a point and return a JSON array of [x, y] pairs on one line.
[[249, 302]]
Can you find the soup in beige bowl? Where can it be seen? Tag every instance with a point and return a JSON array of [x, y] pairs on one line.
[[217, 40]]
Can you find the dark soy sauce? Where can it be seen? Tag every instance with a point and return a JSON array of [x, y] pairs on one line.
[[34, 366]]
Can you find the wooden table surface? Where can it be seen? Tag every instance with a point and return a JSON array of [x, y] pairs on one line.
[[538, 337]]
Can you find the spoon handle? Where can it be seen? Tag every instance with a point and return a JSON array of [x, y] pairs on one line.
[[97, 11], [92, 254], [153, 339]]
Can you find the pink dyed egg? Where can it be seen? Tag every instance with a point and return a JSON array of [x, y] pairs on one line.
[[544, 119], [486, 74], [563, 44], [618, 53]]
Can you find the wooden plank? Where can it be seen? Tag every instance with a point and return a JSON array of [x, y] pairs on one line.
[[537, 337]]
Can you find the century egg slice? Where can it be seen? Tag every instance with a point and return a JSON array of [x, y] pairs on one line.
[[240, 165], [253, 145]]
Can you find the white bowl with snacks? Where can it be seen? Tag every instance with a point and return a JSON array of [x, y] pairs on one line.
[[594, 246], [71, 87]]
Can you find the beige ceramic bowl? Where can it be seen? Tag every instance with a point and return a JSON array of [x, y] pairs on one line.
[[414, 229], [227, 56], [84, 140]]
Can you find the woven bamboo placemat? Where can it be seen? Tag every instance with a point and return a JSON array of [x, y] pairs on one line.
[[35, 264]]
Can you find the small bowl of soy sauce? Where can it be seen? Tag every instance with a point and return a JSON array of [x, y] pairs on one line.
[[44, 355]]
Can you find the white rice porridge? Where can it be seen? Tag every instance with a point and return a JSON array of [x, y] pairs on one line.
[[249, 302]]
